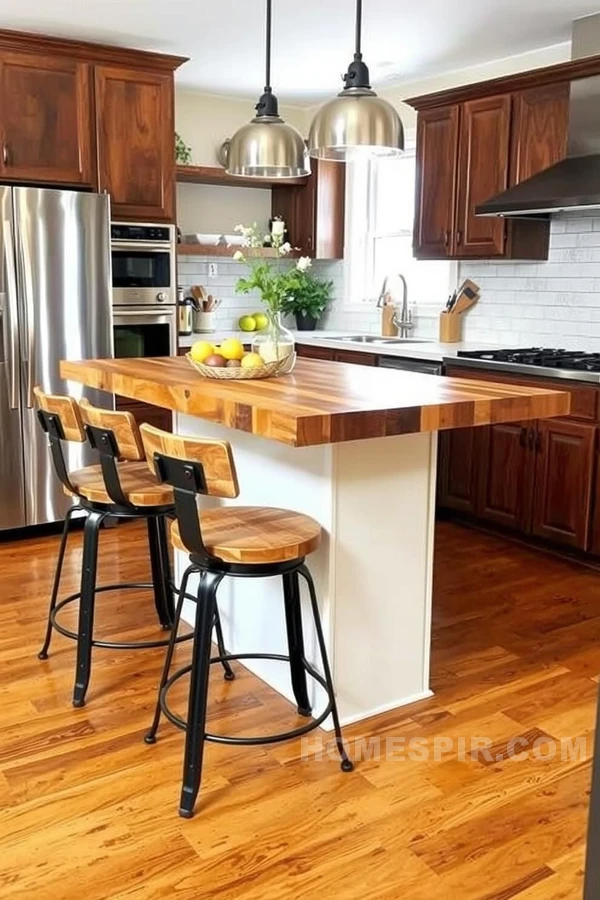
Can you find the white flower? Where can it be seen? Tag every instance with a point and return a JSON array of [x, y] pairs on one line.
[[278, 227], [285, 248], [238, 255], [303, 263], [239, 229]]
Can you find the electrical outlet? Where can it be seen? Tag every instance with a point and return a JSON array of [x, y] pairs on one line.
[[213, 270]]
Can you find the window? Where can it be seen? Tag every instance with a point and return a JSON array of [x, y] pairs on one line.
[[381, 197]]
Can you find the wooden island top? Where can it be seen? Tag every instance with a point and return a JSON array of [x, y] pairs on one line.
[[320, 402]]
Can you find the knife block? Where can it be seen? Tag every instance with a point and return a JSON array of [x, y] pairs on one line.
[[450, 328]]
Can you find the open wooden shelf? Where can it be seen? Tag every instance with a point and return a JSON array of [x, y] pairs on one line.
[[218, 175], [218, 250]]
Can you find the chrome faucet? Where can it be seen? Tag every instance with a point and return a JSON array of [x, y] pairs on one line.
[[405, 323]]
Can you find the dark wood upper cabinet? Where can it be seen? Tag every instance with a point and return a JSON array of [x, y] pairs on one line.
[[314, 212], [499, 134], [484, 160], [135, 128], [437, 157], [540, 126], [563, 481], [506, 474], [46, 124]]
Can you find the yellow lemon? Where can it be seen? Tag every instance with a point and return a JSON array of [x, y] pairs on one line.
[[231, 348], [251, 361], [261, 320], [247, 323], [201, 350]]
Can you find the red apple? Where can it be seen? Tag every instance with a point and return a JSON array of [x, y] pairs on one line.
[[215, 360]]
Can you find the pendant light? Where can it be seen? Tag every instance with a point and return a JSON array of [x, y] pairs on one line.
[[357, 119], [267, 147]]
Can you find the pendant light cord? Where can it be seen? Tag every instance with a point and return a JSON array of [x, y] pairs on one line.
[[268, 49], [358, 33]]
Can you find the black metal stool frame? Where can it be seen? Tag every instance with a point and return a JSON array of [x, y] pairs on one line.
[[187, 480], [104, 441]]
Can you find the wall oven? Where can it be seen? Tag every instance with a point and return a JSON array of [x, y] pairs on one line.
[[144, 289]]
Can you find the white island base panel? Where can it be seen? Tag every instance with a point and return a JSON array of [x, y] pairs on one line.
[[373, 573]]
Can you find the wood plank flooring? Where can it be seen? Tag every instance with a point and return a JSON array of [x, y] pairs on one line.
[[87, 809]]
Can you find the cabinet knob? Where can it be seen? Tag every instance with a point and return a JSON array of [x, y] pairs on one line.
[[446, 238], [5, 153], [459, 237]]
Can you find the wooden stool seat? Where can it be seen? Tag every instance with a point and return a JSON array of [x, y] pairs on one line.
[[140, 486], [255, 534]]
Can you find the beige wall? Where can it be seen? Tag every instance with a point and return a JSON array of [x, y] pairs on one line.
[[494, 69], [204, 122]]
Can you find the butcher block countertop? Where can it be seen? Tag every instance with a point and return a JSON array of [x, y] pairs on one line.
[[320, 402]]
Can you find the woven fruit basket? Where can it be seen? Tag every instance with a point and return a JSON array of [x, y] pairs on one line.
[[238, 374]]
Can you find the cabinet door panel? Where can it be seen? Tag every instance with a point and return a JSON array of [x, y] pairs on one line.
[[437, 153], [136, 157], [506, 474], [564, 481], [457, 487], [540, 127], [314, 352], [45, 121], [483, 172]]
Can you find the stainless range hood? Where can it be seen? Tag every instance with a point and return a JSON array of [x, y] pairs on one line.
[[573, 183]]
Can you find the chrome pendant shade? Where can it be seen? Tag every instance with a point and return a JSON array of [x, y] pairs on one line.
[[357, 121], [267, 147]]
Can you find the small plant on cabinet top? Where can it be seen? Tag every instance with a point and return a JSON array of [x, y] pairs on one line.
[[183, 153]]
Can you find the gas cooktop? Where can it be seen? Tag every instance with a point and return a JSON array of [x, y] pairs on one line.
[[544, 361]]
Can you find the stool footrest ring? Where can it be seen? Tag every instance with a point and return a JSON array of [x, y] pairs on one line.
[[247, 741], [112, 645]]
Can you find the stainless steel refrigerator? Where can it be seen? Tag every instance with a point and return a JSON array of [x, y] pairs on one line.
[[55, 303]]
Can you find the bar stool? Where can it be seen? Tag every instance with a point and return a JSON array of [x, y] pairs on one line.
[[115, 489], [246, 542]]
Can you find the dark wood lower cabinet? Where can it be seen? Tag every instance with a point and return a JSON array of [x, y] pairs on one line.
[[457, 473], [505, 471], [145, 412], [539, 478], [564, 475]]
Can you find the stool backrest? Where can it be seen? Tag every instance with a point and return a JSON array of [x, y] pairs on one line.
[[191, 466], [61, 420], [66, 411], [219, 478], [121, 423]]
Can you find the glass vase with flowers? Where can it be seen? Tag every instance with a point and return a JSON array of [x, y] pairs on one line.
[[274, 278]]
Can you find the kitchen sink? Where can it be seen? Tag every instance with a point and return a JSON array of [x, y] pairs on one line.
[[376, 339]]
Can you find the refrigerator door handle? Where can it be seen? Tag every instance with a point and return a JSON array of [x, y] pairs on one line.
[[9, 317], [27, 293]]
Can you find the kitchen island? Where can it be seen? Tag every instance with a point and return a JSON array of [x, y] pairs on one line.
[[356, 449]]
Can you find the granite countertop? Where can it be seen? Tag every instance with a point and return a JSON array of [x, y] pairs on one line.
[[320, 402], [428, 350]]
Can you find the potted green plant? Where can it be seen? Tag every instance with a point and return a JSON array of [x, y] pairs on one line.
[[308, 299]]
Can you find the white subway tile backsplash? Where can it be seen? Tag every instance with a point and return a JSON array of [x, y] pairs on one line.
[[195, 270], [555, 302]]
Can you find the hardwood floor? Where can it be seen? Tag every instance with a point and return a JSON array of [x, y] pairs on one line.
[[87, 809]]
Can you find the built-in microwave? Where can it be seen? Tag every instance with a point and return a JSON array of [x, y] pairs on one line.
[[144, 266]]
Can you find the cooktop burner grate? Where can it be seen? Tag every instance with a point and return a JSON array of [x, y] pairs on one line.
[[577, 360]]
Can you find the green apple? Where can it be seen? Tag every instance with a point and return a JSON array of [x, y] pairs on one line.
[[247, 323], [261, 320]]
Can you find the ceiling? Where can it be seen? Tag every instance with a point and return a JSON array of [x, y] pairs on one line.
[[313, 39]]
